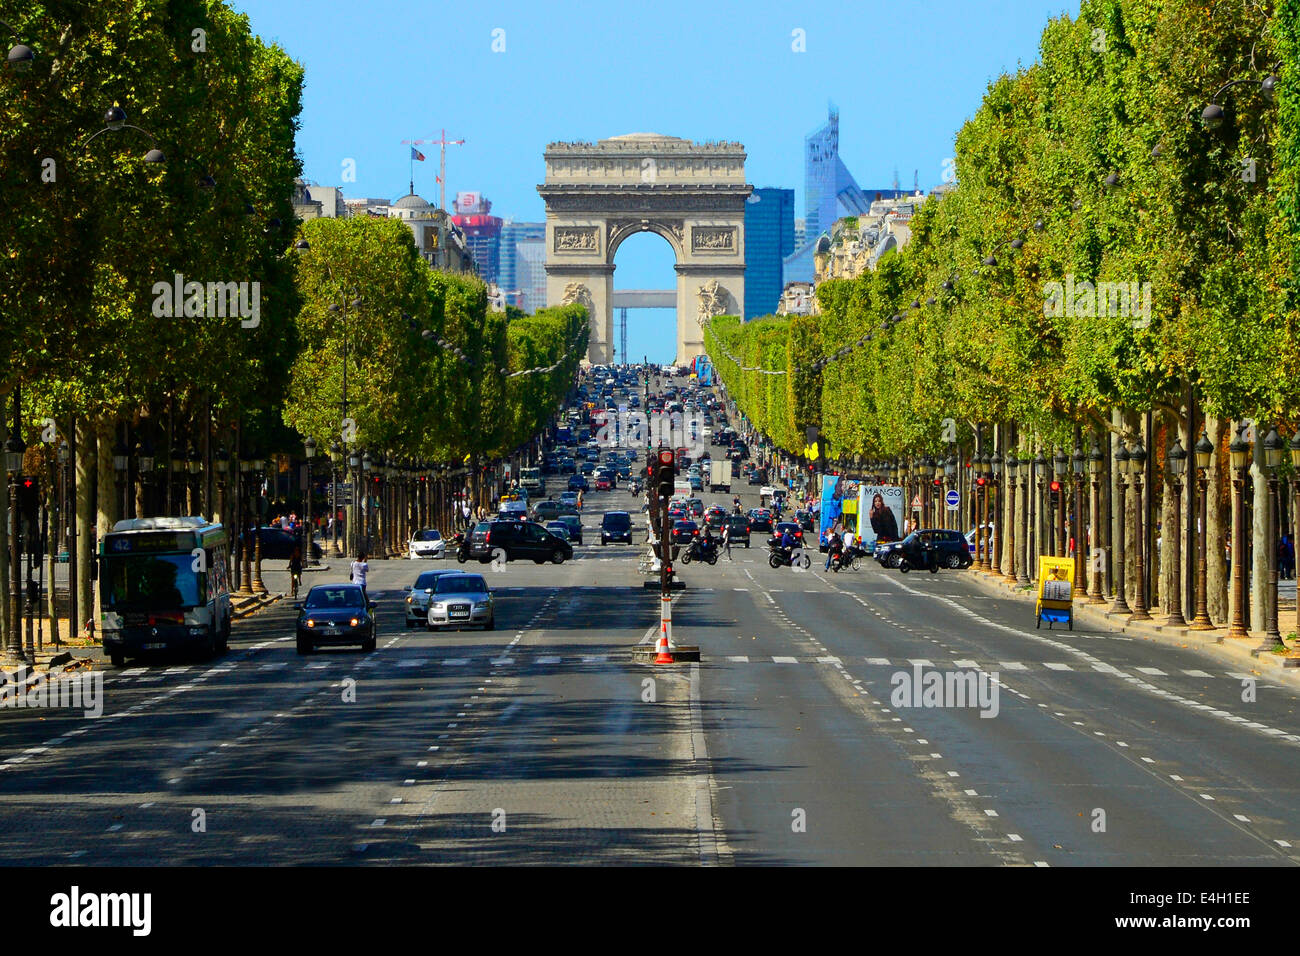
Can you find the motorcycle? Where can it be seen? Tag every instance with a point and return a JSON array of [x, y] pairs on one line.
[[779, 557], [931, 562], [699, 551], [461, 541]]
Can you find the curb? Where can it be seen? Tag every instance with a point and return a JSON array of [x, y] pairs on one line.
[[249, 606], [1213, 641]]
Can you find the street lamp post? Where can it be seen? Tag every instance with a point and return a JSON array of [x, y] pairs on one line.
[[1272, 461], [258, 464], [309, 448], [995, 539], [367, 466], [1238, 453], [1076, 524], [351, 536], [14, 450], [1137, 460], [336, 456], [1096, 464], [1204, 452], [1060, 466], [1294, 447], [247, 531], [1120, 605], [1009, 532], [1177, 466]]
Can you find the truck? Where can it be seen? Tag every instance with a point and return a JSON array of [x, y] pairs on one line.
[[530, 479], [720, 475]]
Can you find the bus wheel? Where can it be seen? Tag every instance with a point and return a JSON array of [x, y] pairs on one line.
[[223, 643]]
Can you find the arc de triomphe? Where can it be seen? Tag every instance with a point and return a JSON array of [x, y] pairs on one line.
[[692, 194]]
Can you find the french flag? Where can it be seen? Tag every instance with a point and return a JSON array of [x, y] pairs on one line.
[[416, 154]]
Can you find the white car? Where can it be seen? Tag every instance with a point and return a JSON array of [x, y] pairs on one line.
[[766, 491], [428, 543]]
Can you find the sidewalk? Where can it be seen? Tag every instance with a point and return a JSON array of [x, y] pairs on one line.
[[1236, 651]]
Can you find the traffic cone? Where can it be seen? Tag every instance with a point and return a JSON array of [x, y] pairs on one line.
[[664, 656]]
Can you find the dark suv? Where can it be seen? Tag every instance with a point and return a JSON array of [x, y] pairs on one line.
[[616, 526], [517, 539], [948, 547]]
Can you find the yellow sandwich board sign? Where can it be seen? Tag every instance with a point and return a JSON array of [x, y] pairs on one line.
[[1055, 592]]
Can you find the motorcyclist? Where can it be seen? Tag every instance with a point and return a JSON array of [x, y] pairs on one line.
[[787, 542], [834, 551]]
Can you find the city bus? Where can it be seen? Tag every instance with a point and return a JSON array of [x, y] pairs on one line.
[[164, 586]]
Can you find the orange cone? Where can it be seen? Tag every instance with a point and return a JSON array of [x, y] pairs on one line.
[[664, 656]]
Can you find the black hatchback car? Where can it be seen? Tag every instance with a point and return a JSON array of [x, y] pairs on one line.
[[948, 549], [739, 530], [517, 539], [335, 614]]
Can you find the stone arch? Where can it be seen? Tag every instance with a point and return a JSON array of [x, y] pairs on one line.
[[691, 194]]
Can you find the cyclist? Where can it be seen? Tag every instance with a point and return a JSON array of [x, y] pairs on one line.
[[295, 570]]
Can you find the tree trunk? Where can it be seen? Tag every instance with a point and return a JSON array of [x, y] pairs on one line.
[[84, 510]]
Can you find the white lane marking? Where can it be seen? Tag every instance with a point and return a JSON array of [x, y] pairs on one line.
[[1052, 666], [785, 660], [1153, 671], [919, 662], [455, 661], [1013, 666], [548, 659], [965, 664], [738, 659], [878, 661], [1195, 673]]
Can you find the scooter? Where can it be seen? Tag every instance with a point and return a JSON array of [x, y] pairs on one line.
[[698, 551], [778, 557], [461, 541], [931, 562]]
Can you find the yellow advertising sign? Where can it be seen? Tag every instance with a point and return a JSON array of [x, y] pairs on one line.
[[810, 452], [1055, 581]]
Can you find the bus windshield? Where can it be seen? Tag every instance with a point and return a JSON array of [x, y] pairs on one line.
[[146, 582]]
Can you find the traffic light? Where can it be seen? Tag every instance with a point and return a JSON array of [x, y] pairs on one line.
[[28, 498], [1056, 494], [665, 473]]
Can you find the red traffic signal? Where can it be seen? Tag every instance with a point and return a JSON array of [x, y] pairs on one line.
[[1056, 486], [666, 456], [980, 482]]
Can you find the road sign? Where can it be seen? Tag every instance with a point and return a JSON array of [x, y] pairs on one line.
[[345, 493], [953, 498], [916, 503]]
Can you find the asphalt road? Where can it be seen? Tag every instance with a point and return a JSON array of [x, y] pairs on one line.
[[543, 742]]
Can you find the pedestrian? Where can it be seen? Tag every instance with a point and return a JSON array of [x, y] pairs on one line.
[[1286, 557], [726, 538], [360, 569]]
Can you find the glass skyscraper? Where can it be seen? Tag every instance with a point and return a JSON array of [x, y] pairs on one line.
[[513, 233], [769, 238]]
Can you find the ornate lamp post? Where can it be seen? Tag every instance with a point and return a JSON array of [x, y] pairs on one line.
[[309, 449], [1272, 461], [1120, 605], [1009, 532], [336, 457], [257, 465], [367, 466], [352, 535], [1060, 467], [1096, 464], [1137, 461], [1239, 454], [1294, 447], [1177, 466], [1077, 462], [1042, 469], [926, 471], [1204, 453], [995, 539], [248, 530], [15, 448], [121, 468]]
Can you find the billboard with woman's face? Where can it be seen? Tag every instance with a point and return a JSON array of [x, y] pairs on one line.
[[880, 513]]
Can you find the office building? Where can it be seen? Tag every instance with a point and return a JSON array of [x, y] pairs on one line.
[[769, 238]]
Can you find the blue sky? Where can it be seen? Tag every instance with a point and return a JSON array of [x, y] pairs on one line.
[[905, 75]]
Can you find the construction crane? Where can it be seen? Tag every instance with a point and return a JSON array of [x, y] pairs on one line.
[[442, 142]]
